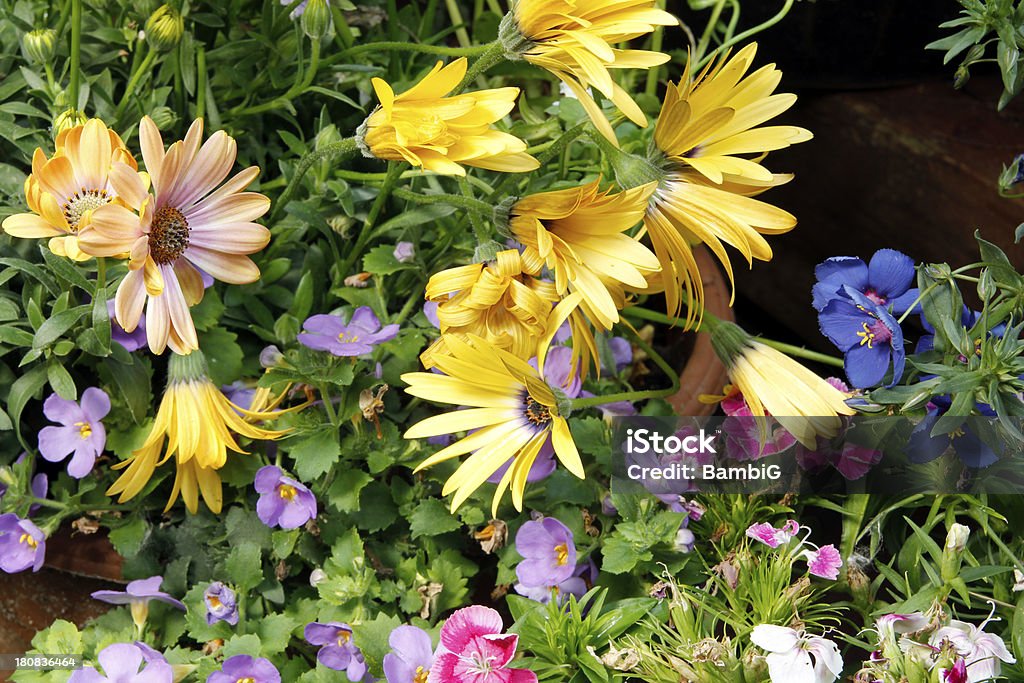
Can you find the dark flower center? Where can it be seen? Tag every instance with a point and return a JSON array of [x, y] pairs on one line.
[[168, 236], [82, 202], [875, 296], [537, 413], [874, 333]]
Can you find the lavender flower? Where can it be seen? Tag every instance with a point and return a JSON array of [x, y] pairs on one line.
[[824, 562], [131, 341], [121, 662], [411, 655], [549, 553], [430, 312], [404, 252], [338, 651], [283, 501], [22, 544], [81, 431], [356, 337], [622, 353], [246, 668], [221, 604], [270, 357], [138, 594], [772, 537]]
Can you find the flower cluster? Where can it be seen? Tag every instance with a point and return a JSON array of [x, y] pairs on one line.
[[824, 562]]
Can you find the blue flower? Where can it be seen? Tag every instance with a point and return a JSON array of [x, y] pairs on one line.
[[867, 334], [885, 280], [972, 451]]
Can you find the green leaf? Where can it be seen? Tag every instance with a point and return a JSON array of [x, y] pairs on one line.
[[345, 489], [381, 261], [372, 638], [129, 538], [63, 269], [302, 304], [621, 556], [60, 380], [134, 383], [432, 518], [276, 632], [56, 325], [377, 509], [242, 645], [423, 215], [23, 389], [283, 542], [315, 453], [245, 565], [223, 355]]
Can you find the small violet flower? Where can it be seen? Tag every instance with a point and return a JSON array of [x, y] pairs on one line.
[[795, 656], [824, 562], [868, 335], [355, 338], [548, 550], [138, 594], [886, 280], [121, 662], [411, 656], [22, 544], [338, 651], [221, 604], [923, 447], [246, 668], [283, 502], [404, 252], [473, 648], [131, 341], [81, 431], [772, 537]]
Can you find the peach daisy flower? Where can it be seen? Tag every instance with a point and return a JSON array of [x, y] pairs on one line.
[[190, 220], [64, 190]]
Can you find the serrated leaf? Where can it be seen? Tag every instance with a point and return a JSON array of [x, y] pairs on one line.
[[344, 492], [245, 565], [432, 518], [381, 261], [315, 453]]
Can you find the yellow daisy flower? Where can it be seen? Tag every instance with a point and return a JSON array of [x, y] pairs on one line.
[[496, 301], [804, 404], [580, 235], [705, 188], [198, 423], [510, 407], [64, 190], [573, 40], [192, 219], [425, 128]]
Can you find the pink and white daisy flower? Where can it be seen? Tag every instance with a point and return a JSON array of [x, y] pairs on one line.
[[190, 220]]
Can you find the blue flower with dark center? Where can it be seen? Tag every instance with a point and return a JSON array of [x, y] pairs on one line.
[[968, 446], [867, 334], [885, 280]]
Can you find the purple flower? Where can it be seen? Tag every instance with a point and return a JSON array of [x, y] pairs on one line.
[[131, 341], [246, 668], [121, 662], [22, 544], [356, 337], [300, 9], [81, 431], [411, 655], [430, 311], [271, 357], [868, 335], [824, 562], [138, 594], [338, 651], [957, 674], [404, 252], [622, 353], [549, 554], [221, 604], [772, 537], [610, 411], [885, 280], [239, 393], [283, 501]]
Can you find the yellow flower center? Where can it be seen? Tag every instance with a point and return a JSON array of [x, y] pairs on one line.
[[168, 235], [867, 336], [214, 601], [286, 491], [421, 675], [537, 413], [82, 202], [247, 679], [562, 554], [29, 541], [346, 338], [84, 429], [343, 638]]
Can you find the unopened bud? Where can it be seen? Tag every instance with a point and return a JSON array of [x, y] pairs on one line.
[[163, 117], [67, 120], [953, 551], [40, 45], [956, 539], [316, 19], [317, 576], [164, 28], [271, 357], [961, 76], [986, 285]]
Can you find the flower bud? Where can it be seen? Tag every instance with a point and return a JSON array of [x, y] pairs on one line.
[[986, 285], [163, 117], [271, 357], [952, 553], [67, 120], [40, 45], [961, 76], [1012, 174], [956, 539], [316, 19], [164, 28], [317, 576], [404, 252]]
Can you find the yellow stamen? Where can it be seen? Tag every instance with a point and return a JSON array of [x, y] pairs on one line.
[[343, 638], [562, 554], [286, 491], [247, 679], [867, 336], [84, 429], [348, 339], [421, 675], [29, 541], [214, 602]]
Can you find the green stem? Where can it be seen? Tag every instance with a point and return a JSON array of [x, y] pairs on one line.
[[458, 22], [394, 171], [555, 149], [302, 82], [705, 38], [749, 32], [325, 397], [801, 352], [65, 12], [76, 53], [395, 46], [417, 296], [672, 373], [929, 288], [341, 28], [467, 203], [201, 85], [137, 76], [495, 53], [654, 73], [342, 149], [481, 228]]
